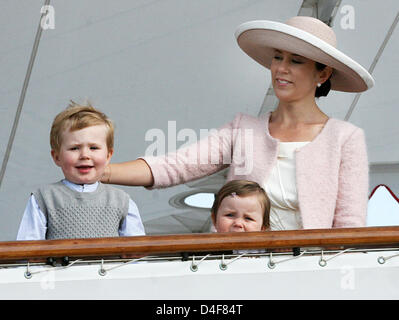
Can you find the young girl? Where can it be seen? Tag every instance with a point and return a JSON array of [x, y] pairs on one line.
[[241, 206]]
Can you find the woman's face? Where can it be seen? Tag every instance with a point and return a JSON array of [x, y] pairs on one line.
[[294, 77]]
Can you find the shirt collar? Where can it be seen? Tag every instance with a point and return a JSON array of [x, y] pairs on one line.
[[81, 187]]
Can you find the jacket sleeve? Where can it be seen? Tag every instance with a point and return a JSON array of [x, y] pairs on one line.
[[203, 158], [352, 199]]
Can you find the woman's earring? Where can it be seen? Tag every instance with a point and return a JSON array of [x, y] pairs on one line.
[[318, 84]]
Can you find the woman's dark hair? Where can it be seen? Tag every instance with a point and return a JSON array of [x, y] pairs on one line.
[[325, 87]]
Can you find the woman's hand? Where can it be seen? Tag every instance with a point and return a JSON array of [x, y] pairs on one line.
[[130, 173]]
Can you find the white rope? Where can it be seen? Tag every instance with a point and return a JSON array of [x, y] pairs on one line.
[[323, 262], [194, 266], [29, 274], [382, 260], [272, 264], [103, 271], [223, 265]]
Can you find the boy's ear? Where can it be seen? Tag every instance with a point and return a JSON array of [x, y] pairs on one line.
[[110, 153], [54, 155]]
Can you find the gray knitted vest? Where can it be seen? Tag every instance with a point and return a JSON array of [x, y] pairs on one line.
[[72, 214]]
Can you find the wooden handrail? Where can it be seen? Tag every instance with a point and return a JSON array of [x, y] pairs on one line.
[[162, 244]]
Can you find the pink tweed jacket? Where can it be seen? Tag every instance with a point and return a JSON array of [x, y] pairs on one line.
[[331, 171]]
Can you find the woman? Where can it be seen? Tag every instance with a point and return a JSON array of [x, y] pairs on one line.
[[314, 168]]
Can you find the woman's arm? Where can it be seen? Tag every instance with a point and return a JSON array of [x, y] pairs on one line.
[[197, 160], [194, 161], [130, 173], [352, 200]]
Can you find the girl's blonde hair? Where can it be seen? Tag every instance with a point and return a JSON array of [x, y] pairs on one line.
[[77, 117]]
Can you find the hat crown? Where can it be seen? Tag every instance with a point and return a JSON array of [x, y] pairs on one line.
[[308, 37], [315, 27]]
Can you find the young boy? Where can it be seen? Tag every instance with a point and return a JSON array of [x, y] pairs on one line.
[[79, 206], [240, 206]]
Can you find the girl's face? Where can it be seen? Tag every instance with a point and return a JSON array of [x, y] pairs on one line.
[[239, 214], [294, 77], [83, 154]]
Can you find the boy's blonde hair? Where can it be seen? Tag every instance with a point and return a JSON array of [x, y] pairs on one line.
[[77, 117], [244, 188]]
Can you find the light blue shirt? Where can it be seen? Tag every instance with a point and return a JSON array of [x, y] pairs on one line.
[[34, 223]]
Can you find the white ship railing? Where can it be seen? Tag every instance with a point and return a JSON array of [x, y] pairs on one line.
[[350, 263]]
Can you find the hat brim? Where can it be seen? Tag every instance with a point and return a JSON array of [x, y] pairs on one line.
[[260, 38]]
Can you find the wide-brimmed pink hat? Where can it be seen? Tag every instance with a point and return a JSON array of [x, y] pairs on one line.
[[308, 37]]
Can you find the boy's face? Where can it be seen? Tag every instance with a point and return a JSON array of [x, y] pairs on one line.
[[83, 154], [239, 214]]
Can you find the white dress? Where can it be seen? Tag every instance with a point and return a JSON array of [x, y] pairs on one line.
[[281, 189]]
